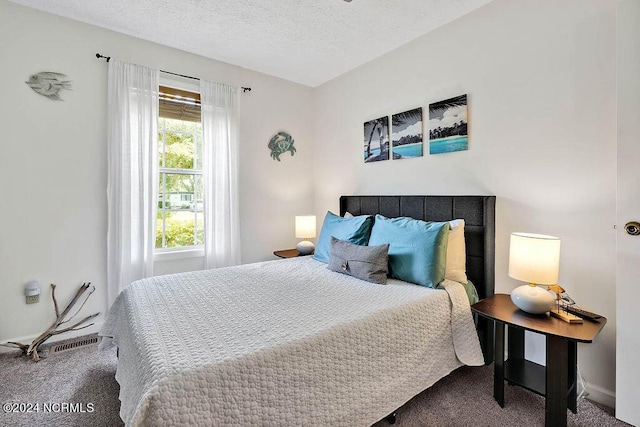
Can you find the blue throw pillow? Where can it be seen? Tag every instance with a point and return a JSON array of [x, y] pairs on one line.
[[355, 230], [417, 251]]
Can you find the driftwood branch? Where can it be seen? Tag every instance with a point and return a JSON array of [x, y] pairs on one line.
[[53, 296], [75, 326], [12, 344], [81, 305], [31, 350], [75, 299]]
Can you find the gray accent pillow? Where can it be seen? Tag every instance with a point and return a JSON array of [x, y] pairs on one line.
[[370, 263]]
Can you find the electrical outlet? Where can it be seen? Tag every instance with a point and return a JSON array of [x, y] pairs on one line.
[[33, 299]]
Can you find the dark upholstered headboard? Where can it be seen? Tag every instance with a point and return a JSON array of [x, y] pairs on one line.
[[479, 214]]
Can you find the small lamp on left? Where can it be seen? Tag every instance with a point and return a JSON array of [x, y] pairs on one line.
[[32, 292], [305, 229]]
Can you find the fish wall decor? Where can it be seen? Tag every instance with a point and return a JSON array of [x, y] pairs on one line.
[[49, 84]]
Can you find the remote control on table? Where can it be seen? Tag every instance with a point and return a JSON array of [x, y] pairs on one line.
[[582, 313]]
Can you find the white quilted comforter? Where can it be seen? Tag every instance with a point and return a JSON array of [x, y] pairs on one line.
[[286, 343]]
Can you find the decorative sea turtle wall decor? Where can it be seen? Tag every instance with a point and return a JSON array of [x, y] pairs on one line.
[[280, 143]]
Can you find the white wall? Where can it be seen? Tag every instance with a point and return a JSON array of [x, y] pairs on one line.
[[53, 160], [540, 79]]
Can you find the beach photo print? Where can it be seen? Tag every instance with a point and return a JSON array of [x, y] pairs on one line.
[[406, 134], [448, 125], [376, 140]]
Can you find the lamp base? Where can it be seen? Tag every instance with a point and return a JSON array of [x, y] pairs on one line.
[[532, 299], [305, 247]]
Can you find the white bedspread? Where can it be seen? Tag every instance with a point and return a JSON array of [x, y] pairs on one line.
[[286, 343]]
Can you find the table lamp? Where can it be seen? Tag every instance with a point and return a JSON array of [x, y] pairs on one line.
[[305, 229], [534, 258]]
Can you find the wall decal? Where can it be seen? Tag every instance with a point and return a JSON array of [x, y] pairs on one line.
[[280, 143], [376, 140], [49, 84], [406, 134], [448, 125]]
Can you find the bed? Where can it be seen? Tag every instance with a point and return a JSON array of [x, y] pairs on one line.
[[289, 342]]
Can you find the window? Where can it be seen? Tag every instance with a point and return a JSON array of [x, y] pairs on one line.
[[180, 216]]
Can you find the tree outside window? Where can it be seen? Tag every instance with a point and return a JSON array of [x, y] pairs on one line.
[[180, 215]]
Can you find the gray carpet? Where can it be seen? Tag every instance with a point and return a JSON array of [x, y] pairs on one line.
[[83, 375], [86, 375]]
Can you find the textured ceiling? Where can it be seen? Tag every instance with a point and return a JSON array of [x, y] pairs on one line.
[[305, 41]]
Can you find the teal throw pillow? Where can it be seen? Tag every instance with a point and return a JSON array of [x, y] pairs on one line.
[[354, 230], [417, 249]]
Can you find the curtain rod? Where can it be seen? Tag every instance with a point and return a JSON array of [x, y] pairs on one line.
[[244, 89]]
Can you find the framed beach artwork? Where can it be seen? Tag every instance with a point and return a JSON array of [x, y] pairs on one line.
[[448, 125], [376, 140], [406, 134]]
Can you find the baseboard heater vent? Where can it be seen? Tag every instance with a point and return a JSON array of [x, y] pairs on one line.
[[80, 342]]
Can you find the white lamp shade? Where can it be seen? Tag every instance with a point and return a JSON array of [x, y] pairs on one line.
[[534, 258], [306, 226]]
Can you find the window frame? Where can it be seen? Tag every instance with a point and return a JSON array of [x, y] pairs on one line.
[[180, 252]]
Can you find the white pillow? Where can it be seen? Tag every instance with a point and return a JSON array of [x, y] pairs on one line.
[[456, 267], [348, 215]]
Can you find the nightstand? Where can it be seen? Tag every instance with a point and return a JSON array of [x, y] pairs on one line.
[[287, 253], [556, 381]]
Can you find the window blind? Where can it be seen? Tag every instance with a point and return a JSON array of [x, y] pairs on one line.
[[179, 104]]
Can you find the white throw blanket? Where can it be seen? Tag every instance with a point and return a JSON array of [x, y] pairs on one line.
[[286, 343]]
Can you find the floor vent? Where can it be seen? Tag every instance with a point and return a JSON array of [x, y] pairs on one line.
[[81, 342]]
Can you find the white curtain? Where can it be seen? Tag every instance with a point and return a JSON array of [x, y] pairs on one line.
[[220, 162], [132, 174]]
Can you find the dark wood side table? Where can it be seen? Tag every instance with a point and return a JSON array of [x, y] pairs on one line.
[[557, 381], [287, 253]]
